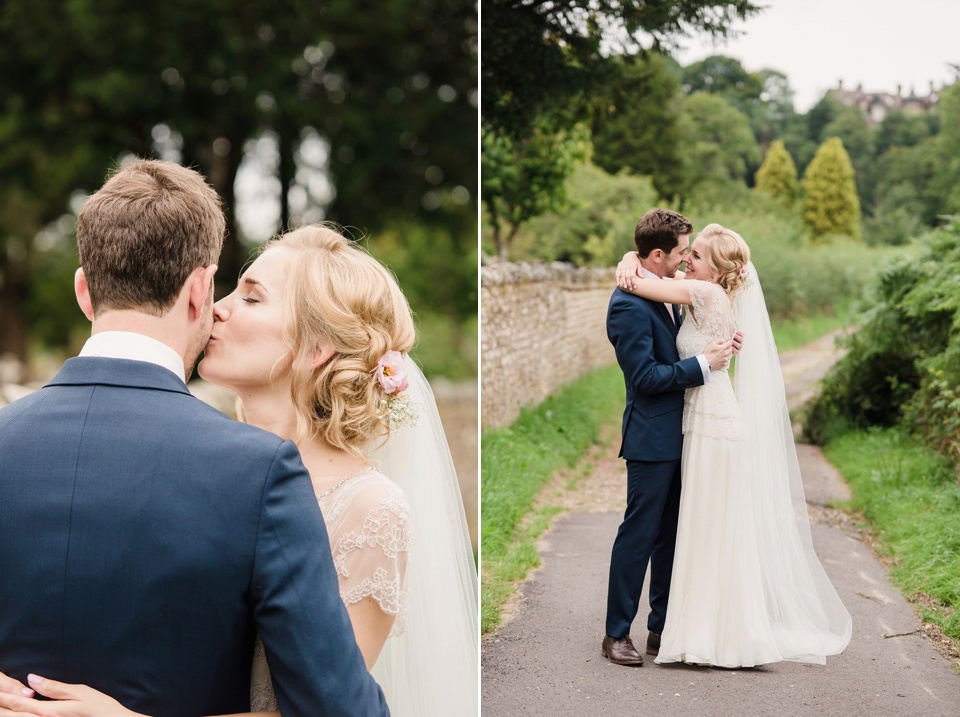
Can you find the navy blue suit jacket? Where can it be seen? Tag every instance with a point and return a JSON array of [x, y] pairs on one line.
[[145, 539], [645, 340]]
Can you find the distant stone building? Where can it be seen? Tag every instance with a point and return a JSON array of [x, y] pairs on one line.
[[876, 105]]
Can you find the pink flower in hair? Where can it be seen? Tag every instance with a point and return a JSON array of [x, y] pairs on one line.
[[390, 373]]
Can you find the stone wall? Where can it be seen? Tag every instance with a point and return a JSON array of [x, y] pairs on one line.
[[543, 326]]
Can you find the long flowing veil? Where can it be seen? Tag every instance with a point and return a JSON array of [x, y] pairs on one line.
[[809, 619], [430, 669]]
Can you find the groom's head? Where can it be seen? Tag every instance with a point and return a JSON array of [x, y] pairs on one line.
[[662, 238], [141, 236]]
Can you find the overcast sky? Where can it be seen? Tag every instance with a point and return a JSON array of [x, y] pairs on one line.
[[816, 42]]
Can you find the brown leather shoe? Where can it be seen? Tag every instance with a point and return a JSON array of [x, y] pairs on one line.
[[620, 651], [653, 644]]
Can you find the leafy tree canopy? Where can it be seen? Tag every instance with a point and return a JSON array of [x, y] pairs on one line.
[[538, 55]]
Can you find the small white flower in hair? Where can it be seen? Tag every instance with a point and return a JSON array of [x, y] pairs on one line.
[[744, 272]]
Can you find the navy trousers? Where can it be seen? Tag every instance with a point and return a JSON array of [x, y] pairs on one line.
[[648, 533]]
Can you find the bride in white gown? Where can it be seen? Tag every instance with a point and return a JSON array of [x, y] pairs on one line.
[[314, 342], [747, 587]]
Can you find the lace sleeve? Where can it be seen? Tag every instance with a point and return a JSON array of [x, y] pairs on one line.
[[371, 558], [711, 310]]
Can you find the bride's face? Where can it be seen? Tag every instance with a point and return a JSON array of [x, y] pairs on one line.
[[697, 265], [246, 348]]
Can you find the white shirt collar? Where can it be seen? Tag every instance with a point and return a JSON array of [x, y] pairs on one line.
[[135, 347], [649, 274]]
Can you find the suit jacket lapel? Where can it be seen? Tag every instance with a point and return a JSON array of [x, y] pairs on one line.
[[676, 315], [664, 314]]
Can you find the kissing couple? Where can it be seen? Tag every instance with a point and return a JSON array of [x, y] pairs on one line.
[[715, 501], [161, 559]]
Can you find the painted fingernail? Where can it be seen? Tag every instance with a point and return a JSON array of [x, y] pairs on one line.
[[34, 679], [26, 692]]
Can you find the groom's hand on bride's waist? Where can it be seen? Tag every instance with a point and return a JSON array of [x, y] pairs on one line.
[[718, 353]]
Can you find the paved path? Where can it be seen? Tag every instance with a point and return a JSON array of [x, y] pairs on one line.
[[545, 661]]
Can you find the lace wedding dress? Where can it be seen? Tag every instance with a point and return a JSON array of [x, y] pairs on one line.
[[747, 588], [429, 665], [368, 522]]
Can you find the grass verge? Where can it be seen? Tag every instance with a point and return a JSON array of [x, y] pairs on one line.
[[517, 461], [793, 333], [912, 499]]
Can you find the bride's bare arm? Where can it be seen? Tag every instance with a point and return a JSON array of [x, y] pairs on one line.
[[669, 292], [371, 627], [629, 274]]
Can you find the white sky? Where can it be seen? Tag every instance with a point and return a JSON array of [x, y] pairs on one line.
[[816, 42]]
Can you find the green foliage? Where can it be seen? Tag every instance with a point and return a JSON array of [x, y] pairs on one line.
[[900, 130], [903, 366], [800, 277], [851, 127], [518, 460], [911, 497], [720, 144], [521, 179], [777, 175], [636, 123], [830, 202], [439, 280], [946, 179], [596, 227], [393, 97], [538, 57]]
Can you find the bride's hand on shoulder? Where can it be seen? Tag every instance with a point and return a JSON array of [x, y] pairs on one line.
[[628, 271], [70, 700]]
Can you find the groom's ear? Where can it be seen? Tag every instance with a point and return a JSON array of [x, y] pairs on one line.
[[82, 291], [200, 282]]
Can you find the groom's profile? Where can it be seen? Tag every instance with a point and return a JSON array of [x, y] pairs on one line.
[[644, 336], [145, 538]]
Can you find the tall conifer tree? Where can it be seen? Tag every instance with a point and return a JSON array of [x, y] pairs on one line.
[[777, 175], [830, 202]]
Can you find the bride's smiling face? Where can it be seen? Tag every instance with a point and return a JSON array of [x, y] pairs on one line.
[[697, 265], [247, 347]]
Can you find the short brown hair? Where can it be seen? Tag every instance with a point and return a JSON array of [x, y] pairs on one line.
[[660, 229], [143, 233]]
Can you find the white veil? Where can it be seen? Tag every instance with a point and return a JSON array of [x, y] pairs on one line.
[[431, 668], [808, 617]]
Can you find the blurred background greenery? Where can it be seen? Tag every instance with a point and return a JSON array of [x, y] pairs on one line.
[[295, 113]]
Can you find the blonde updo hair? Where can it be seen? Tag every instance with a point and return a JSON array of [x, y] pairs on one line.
[[727, 254], [338, 295]]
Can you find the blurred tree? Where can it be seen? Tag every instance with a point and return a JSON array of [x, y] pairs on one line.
[[820, 115], [724, 76], [719, 142], [596, 227], [392, 95], [539, 55], [851, 127], [946, 177], [523, 178], [777, 175], [906, 180], [900, 130], [635, 123], [830, 203]]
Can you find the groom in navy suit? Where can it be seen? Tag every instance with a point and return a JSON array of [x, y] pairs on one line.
[[146, 539], [644, 335]]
